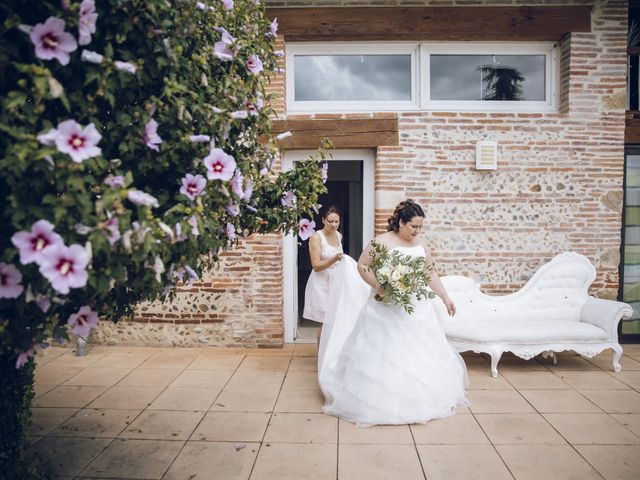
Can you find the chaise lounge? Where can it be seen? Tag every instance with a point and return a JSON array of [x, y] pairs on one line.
[[551, 313]]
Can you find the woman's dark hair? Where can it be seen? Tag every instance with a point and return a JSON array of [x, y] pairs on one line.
[[405, 211], [331, 209]]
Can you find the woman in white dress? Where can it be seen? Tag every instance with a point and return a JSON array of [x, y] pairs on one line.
[[325, 251], [378, 364]]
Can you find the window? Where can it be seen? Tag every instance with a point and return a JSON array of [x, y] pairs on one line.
[[427, 76]]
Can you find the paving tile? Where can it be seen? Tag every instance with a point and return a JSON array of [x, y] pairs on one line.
[[533, 462], [590, 380], [302, 428], [44, 420], [614, 401], [603, 361], [97, 377], [379, 462], [214, 379], [163, 425], [150, 377], [498, 401], [127, 398], [210, 460], [614, 462], [295, 461], [534, 380], [630, 377], [301, 381], [55, 457], [560, 401], [143, 459], [455, 430], [377, 434], [48, 354], [100, 423], [306, 350], [245, 400], [179, 398], [250, 379], [69, 396], [122, 359], [40, 390], [591, 428], [69, 359], [300, 400], [574, 362], [265, 364], [179, 358], [462, 462], [232, 427], [513, 363], [46, 375], [630, 420], [208, 360], [483, 380], [304, 364], [518, 428]]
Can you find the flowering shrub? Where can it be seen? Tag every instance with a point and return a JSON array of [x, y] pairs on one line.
[[136, 145]]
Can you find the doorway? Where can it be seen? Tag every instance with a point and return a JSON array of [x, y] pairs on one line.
[[350, 188]]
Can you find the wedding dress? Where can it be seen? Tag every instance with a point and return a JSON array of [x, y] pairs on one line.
[[378, 364]]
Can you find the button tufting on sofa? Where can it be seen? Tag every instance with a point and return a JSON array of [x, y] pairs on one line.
[[551, 313]]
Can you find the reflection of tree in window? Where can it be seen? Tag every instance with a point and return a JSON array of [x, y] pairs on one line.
[[502, 82]]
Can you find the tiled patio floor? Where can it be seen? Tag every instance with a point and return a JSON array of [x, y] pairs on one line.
[[220, 414]]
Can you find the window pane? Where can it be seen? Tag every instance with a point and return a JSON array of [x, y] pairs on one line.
[[352, 77], [488, 77]]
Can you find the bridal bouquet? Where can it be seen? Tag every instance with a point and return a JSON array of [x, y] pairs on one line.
[[401, 276]]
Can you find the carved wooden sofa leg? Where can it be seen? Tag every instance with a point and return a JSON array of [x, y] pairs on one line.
[[495, 358], [616, 354]]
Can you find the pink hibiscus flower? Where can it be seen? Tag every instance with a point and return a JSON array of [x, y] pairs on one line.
[[10, 278], [78, 142], [83, 321], [254, 64], [65, 267], [138, 197], [31, 244], [288, 199], [324, 170], [199, 138], [151, 138], [306, 228], [193, 186], [126, 67], [51, 41], [114, 181], [230, 231], [236, 184], [227, 4], [24, 357], [220, 166], [273, 28], [248, 190], [87, 22]]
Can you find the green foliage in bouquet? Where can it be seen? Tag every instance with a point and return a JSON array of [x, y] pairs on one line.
[[135, 146], [403, 277]]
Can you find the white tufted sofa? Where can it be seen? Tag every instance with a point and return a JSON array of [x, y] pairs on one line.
[[551, 313]]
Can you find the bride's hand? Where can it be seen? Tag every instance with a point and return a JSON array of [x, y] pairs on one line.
[[451, 308]]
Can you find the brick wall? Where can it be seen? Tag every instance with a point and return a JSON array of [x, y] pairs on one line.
[[558, 187]]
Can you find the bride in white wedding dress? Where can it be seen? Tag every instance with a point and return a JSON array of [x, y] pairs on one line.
[[378, 364]]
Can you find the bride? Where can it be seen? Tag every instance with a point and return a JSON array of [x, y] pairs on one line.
[[378, 364]]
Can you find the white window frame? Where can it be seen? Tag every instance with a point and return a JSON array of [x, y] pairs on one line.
[[549, 104], [420, 69], [369, 48]]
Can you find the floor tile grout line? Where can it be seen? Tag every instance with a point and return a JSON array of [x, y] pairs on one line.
[[205, 413], [415, 447], [255, 460]]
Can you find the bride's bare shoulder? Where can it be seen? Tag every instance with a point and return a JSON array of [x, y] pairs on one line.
[[387, 239]]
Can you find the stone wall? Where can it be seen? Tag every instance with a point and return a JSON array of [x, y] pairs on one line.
[[558, 187]]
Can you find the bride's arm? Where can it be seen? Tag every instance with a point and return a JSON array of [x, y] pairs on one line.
[[436, 284], [367, 275]]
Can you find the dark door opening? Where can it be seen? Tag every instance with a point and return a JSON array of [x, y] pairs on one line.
[[344, 185]]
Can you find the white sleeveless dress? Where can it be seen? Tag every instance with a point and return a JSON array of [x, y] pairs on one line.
[[378, 364], [319, 283]]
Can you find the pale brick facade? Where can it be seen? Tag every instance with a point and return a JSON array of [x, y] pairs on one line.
[[558, 187]]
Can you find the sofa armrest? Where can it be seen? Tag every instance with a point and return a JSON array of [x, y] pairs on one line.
[[605, 314]]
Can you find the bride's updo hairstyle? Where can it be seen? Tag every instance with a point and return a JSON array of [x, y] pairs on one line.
[[405, 211]]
